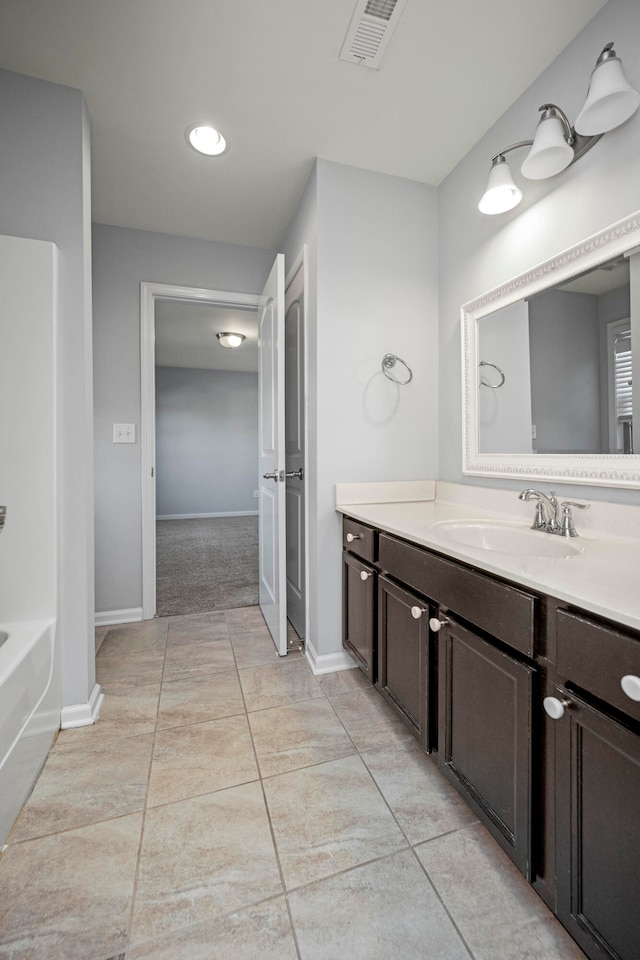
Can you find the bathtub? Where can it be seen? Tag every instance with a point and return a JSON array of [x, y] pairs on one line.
[[29, 710]]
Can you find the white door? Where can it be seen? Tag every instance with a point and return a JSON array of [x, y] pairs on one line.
[[295, 449], [273, 599]]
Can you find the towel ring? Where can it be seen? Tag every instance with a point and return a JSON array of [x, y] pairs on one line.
[[388, 363], [485, 383]]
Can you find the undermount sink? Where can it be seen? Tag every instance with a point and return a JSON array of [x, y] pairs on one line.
[[503, 536]]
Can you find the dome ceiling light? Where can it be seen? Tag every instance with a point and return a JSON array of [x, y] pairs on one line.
[[230, 340]]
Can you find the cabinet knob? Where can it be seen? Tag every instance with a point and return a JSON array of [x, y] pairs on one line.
[[416, 612], [436, 624], [352, 536], [631, 686], [365, 574], [555, 708]]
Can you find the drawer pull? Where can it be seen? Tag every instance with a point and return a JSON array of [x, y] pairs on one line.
[[416, 612], [437, 624], [365, 574], [631, 686], [555, 708], [352, 536]]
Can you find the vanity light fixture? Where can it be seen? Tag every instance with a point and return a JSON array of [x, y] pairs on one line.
[[230, 340], [556, 144], [206, 139]]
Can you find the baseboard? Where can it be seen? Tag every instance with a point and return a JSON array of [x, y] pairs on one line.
[[108, 617], [327, 662], [206, 516], [83, 714]]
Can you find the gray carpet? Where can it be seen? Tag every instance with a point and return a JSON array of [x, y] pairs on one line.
[[206, 565]]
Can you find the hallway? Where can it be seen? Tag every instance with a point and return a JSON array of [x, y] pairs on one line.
[[228, 804]]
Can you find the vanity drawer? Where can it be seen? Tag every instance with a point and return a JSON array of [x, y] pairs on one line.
[[359, 539], [595, 657], [498, 608]]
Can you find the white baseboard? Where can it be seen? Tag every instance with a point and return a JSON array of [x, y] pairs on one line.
[[106, 618], [206, 516], [327, 662], [83, 714]]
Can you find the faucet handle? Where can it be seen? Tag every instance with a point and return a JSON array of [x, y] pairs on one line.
[[567, 528]]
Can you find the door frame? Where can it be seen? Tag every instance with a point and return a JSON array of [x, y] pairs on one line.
[[149, 293], [301, 261]]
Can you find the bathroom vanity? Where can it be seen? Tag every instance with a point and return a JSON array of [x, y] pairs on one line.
[[527, 697]]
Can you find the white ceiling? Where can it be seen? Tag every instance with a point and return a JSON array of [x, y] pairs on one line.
[[267, 73], [186, 336]]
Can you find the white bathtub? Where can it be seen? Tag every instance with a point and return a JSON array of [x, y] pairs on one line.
[[29, 710]]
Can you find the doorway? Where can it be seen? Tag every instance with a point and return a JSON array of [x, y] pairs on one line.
[[206, 442], [178, 327]]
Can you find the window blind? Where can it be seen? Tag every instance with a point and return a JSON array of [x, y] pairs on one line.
[[622, 375]]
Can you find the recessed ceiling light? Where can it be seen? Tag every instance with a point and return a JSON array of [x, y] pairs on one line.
[[230, 339], [206, 139]]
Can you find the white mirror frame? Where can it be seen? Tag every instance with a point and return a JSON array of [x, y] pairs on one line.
[[611, 470]]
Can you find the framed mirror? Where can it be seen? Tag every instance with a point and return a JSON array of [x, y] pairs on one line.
[[548, 365]]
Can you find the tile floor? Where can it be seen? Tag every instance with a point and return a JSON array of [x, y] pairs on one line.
[[229, 804]]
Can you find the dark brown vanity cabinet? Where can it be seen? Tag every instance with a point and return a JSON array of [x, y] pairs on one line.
[[485, 703], [404, 669], [559, 786], [359, 586], [597, 786]]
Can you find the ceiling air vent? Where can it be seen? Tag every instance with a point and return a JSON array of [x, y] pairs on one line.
[[370, 30]]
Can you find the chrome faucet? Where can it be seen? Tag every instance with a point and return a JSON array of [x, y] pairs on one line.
[[546, 517], [547, 507]]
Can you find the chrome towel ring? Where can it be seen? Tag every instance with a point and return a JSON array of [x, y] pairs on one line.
[[388, 363], [485, 383]]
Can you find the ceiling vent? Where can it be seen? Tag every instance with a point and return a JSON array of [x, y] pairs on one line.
[[370, 30]]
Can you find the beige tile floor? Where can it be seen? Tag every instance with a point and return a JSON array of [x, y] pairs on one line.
[[229, 804]]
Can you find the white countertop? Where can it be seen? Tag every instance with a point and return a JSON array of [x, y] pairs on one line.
[[604, 578]]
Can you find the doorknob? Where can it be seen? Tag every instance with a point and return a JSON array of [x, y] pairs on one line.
[[271, 476], [296, 473]]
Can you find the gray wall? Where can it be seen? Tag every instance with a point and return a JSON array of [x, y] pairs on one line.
[[373, 268], [504, 413], [206, 441], [478, 252], [121, 260], [44, 195], [565, 372]]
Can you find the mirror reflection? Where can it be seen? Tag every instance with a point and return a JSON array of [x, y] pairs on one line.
[[555, 369]]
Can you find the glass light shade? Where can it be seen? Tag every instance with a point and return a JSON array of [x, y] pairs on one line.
[[610, 101], [206, 140], [230, 340], [550, 152], [501, 193]]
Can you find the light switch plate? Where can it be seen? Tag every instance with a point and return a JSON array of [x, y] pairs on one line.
[[124, 433]]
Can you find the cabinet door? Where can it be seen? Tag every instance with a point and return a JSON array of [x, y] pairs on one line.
[[403, 655], [484, 705], [358, 612], [598, 831]]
